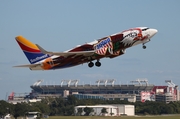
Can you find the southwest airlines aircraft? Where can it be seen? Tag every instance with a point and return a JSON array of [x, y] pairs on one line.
[[109, 47]]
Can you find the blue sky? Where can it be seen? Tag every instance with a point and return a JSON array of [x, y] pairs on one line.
[[60, 25]]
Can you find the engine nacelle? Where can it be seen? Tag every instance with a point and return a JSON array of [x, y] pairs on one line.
[[118, 53]]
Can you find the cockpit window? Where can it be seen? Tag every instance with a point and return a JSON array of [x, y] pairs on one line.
[[145, 29]]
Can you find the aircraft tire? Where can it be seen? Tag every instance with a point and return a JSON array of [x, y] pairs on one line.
[[98, 64], [91, 64], [144, 47]]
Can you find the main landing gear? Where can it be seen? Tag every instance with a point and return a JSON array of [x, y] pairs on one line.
[[91, 64]]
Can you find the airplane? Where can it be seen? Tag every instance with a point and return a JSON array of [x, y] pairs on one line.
[[106, 47]]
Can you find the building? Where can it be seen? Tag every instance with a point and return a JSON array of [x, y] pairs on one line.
[[169, 93], [178, 95], [15, 98], [103, 88], [86, 96], [128, 97], [137, 90], [33, 115], [112, 110]]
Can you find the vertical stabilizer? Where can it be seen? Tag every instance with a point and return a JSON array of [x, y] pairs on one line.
[[31, 51]]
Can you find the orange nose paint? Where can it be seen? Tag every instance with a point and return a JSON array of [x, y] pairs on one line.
[[139, 35]]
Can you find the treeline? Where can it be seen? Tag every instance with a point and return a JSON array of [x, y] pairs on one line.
[[65, 107]]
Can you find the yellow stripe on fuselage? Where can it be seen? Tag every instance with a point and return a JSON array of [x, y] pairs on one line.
[[26, 42]]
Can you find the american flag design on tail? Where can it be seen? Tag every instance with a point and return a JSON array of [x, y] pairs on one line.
[[103, 46]]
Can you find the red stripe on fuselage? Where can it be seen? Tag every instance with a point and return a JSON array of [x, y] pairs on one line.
[[27, 49]]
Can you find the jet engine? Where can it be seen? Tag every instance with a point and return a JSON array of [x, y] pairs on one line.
[[118, 53]]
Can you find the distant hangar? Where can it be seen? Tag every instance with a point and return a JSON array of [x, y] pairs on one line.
[[112, 110]]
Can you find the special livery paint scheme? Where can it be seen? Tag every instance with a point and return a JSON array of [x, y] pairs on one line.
[[109, 47]]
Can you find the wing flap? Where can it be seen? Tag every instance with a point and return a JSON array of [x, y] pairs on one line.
[[85, 53]]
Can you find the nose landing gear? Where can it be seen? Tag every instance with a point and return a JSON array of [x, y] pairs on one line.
[[144, 47]]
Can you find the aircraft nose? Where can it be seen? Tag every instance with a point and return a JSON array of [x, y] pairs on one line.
[[154, 31]]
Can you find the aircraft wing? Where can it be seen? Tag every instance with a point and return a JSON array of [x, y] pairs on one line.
[[85, 53]]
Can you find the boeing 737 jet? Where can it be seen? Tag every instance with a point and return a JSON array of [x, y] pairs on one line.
[[106, 47]]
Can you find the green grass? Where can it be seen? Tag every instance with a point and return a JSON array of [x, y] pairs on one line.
[[102, 117]]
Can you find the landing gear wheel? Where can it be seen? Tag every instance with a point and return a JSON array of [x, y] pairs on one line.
[[98, 64], [144, 47], [91, 64]]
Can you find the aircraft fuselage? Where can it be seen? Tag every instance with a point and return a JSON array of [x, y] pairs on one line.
[[110, 47]]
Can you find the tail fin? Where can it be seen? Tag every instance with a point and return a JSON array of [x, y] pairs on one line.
[[31, 51]]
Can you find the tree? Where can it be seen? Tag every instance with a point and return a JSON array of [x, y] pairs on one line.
[[104, 111], [69, 110], [41, 107], [72, 100], [111, 113], [5, 108], [80, 110], [88, 110], [20, 109]]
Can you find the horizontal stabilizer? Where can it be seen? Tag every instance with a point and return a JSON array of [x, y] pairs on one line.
[[28, 65], [85, 53]]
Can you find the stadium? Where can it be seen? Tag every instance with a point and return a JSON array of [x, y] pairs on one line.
[[90, 89], [136, 90]]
